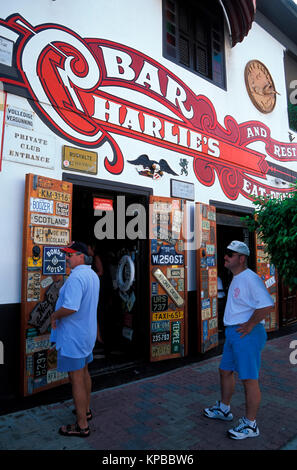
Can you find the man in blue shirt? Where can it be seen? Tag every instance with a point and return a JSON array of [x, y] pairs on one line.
[[74, 330]]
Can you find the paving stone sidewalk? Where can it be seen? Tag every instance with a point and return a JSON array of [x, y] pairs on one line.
[[164, 412]]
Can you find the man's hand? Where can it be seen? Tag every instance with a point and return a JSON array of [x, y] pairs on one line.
[[258, 315], [53, 321], [60, 313], [245, 328]]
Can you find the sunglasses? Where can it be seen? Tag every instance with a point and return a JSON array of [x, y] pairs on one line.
[[69, 255], [230, 253]]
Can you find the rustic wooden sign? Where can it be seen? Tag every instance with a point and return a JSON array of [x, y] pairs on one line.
[[47, 208]]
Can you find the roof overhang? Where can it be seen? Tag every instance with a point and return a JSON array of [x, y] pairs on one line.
[[282, 14], [239, 15]]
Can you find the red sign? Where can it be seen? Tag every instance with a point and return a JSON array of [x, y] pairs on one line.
[[100, 204], [66, 77]]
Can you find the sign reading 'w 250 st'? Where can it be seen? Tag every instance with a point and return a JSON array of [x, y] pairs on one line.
[[66, 76]]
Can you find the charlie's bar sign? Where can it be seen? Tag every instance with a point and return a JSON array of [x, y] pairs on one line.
[[68, 93]]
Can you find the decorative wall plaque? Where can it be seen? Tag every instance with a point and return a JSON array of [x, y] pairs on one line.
[[260, 86]]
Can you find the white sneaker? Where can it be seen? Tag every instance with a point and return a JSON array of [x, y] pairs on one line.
[[216, 412], [243, 430]]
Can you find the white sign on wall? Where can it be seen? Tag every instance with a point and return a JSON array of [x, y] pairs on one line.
[[6, 49], [19, 117], [30, 148]]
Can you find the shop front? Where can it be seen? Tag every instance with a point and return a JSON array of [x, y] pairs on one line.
[[109, 139], [140, 243]]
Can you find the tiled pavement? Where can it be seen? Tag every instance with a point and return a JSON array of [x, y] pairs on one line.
[[164, 412]]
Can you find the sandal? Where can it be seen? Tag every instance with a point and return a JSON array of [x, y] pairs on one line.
[[74, 430], [89, 414]]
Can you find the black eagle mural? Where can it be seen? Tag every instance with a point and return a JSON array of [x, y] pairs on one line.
[[152, 168]]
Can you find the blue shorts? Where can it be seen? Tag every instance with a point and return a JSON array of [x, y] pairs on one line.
[[69, 364], [243, 355]]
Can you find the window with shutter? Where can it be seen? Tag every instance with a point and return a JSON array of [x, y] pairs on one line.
[[194, 37]]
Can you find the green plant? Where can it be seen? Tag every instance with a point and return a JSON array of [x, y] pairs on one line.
[[276, 220], [292, 114]]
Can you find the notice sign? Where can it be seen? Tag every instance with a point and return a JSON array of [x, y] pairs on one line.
[[19, 117], [100, 204], [30, 148], [54, 261], [76, 159], [6, 51]]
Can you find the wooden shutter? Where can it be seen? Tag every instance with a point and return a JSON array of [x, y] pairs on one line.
[[47, 226], [168, 279], [170, 28]]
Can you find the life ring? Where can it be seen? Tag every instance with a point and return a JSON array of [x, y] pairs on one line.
[[125, 273]]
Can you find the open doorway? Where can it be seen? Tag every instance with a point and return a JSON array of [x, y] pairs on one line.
[[230, 227], [123, 313]]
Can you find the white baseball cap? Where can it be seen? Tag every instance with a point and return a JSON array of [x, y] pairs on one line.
[[239, 247]]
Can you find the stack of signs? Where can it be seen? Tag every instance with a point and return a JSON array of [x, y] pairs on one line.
[[207, 306], [47, 227], [167, 279], [268, 274]]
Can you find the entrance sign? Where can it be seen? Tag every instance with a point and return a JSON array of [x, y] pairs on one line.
[[206, 274], [43, 271], [168, 286], [28, 147]]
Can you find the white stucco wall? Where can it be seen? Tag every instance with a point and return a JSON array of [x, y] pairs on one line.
[[136, 24]]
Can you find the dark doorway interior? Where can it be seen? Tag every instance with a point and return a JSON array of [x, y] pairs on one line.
[[230, 227], [123, 317]]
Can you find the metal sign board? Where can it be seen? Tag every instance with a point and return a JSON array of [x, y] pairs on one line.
[[62, 208], [19, 117], [50, 220], [159, 303], [50, 236], [41, 205], [54, 261], [168, 287], [76, 159]]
